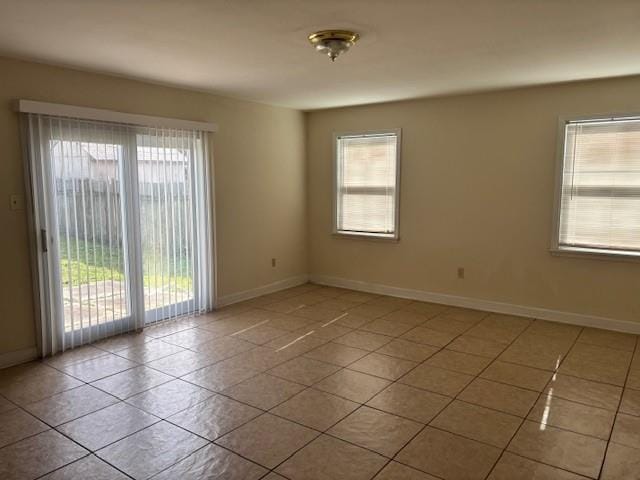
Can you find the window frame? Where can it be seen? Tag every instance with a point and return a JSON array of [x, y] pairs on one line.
[[577, 251], [391, 237]]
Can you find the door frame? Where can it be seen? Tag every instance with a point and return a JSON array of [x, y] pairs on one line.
[[48, 299]]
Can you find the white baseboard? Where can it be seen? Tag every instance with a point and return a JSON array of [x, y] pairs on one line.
[[263, 290], [18, 356], [25, 355], [481, 304]]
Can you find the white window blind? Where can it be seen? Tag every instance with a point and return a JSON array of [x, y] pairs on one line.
[[367, 184], [600, 189]]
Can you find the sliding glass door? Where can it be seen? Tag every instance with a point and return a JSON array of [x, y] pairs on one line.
[[124, 226], [165, 198]]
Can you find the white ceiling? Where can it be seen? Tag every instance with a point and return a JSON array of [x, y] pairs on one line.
[[257, 49]]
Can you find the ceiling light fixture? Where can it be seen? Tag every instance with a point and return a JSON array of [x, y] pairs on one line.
[[333, 42]]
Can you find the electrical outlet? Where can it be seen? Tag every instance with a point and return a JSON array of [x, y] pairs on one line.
[[16, 202], [460, 272], [273, 262]]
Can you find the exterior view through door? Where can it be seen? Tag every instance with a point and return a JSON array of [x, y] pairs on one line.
[[125, 226]]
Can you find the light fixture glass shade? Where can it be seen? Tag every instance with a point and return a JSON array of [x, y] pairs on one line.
[[333, 42]]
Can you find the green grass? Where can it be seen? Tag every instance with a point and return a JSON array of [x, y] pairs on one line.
[[78, 273], [82, 262]]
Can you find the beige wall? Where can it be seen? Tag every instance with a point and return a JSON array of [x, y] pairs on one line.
[[477, 192], [259, 171]]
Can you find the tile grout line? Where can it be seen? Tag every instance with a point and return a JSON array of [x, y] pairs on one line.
[[268, 412], [615, 417], [52, 428], [161, 419], [441, 348], [301, 355], [310, 387], [455, 398], [576, 342], [505, 449], [338, 421]]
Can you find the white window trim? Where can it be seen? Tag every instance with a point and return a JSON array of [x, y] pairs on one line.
[[581, 252], [86, 113], [392, 237]]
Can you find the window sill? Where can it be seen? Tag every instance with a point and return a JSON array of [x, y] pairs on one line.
[[364, 236], [596, 254]]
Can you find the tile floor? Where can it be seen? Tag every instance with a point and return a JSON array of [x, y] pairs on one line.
[[325, 383]]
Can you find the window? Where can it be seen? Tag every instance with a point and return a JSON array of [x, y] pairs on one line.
[[598, 206], [367, 177]]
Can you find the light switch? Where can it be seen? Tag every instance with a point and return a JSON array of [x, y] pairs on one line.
[[16, 202]]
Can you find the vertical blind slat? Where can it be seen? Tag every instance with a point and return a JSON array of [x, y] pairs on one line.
[[91, 275]]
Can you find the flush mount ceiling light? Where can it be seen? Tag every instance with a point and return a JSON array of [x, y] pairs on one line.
[[333, 42]]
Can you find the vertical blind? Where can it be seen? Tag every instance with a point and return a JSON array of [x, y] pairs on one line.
[[600, 198], [367, 183], [125, 233], [175, 237]]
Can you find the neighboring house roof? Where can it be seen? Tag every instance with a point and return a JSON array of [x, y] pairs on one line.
[[110, 152]]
